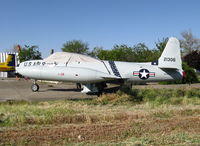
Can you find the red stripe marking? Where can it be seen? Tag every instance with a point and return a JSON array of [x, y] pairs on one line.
[[152, 74]]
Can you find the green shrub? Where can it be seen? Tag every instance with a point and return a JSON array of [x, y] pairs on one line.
[[191, 76]]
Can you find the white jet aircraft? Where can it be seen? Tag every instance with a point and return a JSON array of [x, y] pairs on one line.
[[93, 73]]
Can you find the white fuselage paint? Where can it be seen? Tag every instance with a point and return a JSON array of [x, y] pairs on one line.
[[92, 72]]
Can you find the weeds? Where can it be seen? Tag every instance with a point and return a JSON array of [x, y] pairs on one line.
[[128, 117], [153, 96]]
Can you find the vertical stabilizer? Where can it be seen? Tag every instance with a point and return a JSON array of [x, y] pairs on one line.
[[171, 55], [10, 61]]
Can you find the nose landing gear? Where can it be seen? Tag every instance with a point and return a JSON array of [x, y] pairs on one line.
[[35, 87]]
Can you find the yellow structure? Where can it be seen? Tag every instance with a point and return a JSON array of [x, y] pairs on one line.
[[9, 64]]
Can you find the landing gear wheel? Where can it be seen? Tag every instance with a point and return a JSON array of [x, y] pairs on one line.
[[78, 85], [35, 87]]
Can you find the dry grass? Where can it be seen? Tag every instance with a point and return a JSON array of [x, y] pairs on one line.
[[113, 119]]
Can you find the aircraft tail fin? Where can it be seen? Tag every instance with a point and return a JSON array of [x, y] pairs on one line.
[[171, 55], [10, 61]]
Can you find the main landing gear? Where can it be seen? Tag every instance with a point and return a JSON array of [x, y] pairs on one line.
[[78, 86], [35, 87], [94, 88]]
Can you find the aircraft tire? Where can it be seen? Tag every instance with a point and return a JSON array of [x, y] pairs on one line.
[[35, 87], [78, 86]]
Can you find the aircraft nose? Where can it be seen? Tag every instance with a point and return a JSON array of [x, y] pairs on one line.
[[19, 67], [18, 70]]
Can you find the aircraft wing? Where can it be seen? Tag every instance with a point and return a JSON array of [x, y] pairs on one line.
[[109, 77]]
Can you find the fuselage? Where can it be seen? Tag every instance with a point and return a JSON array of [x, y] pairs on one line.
[[92, 72]]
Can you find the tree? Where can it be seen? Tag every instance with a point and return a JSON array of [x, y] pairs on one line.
[[117, 53], [95, 52], [75, 46], [122, 53], [193, 59], [143, 54], [29, 53], [160, 45], [137, 53], [14, 49], [189, 42]]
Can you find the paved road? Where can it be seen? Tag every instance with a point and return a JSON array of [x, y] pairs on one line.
[[11, 89]]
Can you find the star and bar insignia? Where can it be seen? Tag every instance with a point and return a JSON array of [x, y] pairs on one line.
[[144, 74]]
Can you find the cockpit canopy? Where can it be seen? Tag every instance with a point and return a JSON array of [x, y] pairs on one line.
[[66, 57]]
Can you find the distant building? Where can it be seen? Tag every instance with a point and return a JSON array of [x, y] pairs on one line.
[[3, 57]]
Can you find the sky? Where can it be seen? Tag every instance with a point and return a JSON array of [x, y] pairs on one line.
[[100, 23]]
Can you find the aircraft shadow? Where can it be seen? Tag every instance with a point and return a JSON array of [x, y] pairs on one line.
[[107, 90], [112, 89], [93, 96], [65, 90]]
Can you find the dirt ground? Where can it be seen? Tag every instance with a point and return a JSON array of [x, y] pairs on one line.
[[147, 128], [97, 133]]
